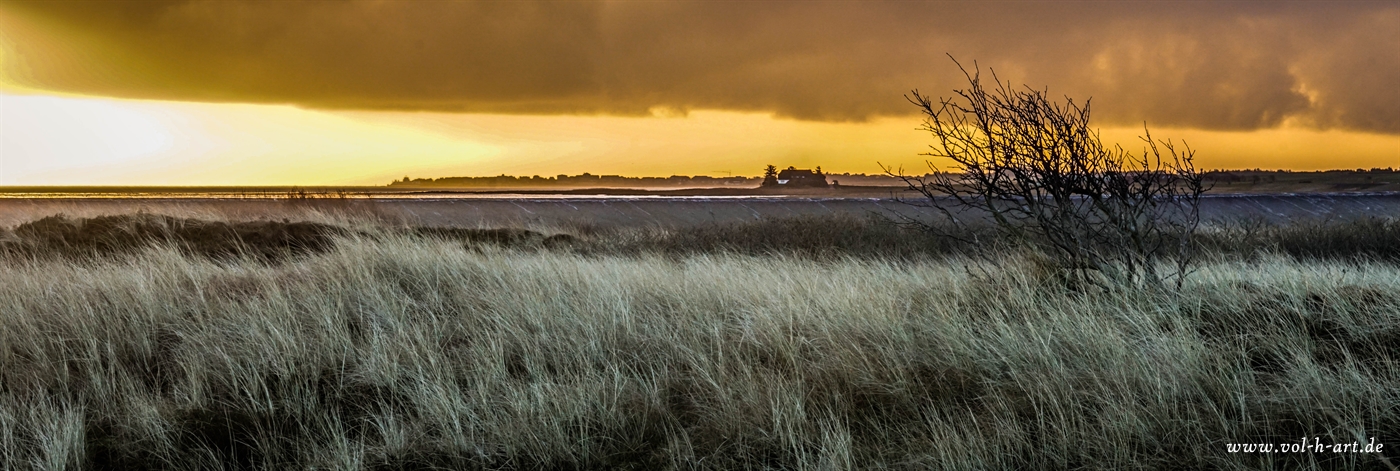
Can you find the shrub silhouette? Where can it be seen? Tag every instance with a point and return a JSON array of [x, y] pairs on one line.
[[1041, 174]]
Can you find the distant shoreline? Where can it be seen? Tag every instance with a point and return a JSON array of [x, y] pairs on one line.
[[334, 193], [1222, 182]]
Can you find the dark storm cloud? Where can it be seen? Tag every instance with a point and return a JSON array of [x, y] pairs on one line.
[[1242, 65]]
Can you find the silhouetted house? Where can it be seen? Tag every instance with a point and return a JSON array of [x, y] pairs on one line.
[[794, 177]]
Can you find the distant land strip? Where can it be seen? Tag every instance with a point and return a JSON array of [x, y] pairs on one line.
[[1223, 181], [587, 180]]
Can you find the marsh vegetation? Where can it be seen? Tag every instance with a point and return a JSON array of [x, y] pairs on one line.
[[797, 344]]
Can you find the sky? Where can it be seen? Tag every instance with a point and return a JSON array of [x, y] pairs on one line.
[[355, 92]]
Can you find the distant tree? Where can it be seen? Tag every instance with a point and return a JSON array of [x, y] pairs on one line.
[[770, 176]]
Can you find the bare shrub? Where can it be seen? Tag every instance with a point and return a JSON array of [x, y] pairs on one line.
[[1036, 169]]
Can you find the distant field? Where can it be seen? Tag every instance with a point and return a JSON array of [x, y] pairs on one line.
[[816, 342], [1335, 181], [629, 211]]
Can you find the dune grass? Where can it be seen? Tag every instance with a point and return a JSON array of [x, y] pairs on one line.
[[394, 349]]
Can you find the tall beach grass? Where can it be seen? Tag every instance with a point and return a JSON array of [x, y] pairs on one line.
[[399, 349]]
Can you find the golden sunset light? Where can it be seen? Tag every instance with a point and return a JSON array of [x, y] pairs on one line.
[[256, 93], [99, 141], [64, 140]]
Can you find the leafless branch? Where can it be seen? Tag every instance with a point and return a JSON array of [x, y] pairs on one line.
[[1043, 177]]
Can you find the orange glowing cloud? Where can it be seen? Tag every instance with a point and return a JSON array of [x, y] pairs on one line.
[[361, 92]]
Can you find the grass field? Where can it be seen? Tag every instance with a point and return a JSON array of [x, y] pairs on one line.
[[813, 343]]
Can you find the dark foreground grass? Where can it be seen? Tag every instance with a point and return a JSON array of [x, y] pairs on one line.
[[820, 237], [265, 240], [836, 236], [61, 236], [443, 349], [1369, 238]]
